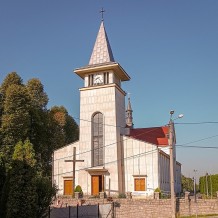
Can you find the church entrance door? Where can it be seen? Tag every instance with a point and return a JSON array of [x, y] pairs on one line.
[[68, 187], [97, 184]]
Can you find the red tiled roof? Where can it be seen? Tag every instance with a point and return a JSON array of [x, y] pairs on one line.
[[154, 135]]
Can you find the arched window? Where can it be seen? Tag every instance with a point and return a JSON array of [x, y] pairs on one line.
[[97, 139]]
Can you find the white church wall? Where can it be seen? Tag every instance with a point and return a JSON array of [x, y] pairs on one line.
[[164, 172], [141, 161], [178, 174], [165, 149], [63, 170]]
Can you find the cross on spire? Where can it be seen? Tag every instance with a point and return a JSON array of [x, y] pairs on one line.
[[102, 13]]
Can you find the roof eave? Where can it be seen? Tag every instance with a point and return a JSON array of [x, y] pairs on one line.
[[120, 72]]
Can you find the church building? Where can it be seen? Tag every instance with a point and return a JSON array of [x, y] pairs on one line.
[[111, 155]]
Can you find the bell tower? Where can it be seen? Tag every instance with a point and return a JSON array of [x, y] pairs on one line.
[[102, 118]]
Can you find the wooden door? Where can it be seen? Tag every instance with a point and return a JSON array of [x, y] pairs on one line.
[[140, 184], [95, 185], [68, 187]]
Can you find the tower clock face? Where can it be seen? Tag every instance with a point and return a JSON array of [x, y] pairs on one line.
[[98, 79]]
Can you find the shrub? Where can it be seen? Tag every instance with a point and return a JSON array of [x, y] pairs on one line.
[[122, 195], [94, 196], [78, 189], [157, 190]]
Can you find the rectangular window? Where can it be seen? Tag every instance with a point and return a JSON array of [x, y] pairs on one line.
[[140, 184], [106, 77], [91, 80], [97, 137]]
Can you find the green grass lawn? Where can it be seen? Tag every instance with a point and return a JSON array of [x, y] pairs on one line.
[[192, 216]]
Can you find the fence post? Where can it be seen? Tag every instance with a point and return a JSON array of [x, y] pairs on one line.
[[69, 211], [113, 210], [98, 210], [77, 211]]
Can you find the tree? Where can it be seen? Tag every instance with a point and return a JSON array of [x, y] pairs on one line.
[[2, 177], [187, 184], [45, 193], [67, 127], [11, 79], [208, 184], [22, 200], [24, 152], [4, 196], [38, 97], [16, 119], [24, 117], [29, 192]]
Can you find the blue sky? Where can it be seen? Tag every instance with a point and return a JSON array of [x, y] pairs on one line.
[[169, 48]]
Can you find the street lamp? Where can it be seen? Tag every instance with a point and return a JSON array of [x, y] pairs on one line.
[[206, 184], [172, 160], [194, 180]]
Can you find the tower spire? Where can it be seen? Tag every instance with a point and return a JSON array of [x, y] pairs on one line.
[[129, 119], [101, 52]]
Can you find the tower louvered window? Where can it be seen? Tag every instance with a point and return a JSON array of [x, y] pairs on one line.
[[97, 140]]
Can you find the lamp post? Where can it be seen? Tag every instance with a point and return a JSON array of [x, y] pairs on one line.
[[172, 161], [194, 180], [206, 184], [211, 189]]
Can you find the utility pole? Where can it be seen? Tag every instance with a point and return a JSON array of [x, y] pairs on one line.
[[172, 161], [211, 189], [74, 166], [207, 184], [194, 180], [171, 145]]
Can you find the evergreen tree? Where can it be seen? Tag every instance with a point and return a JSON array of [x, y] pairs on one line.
[[24, 152], [22, 200], [4, 196], [2, 179], [45, 193], [38, 120], [15, 119], [38, 97], [11, 79]]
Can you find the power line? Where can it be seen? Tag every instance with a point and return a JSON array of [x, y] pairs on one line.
[[193, 146], [180, 123], [203, 139], [186, 145], [182, 145], [108, 144], [147, 152], [198, 123], [125, 158], [104, 124]]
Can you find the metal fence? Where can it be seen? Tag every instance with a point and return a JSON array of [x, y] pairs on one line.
[[85, 211]]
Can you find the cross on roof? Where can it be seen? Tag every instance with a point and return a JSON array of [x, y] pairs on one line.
[[102, 13]]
